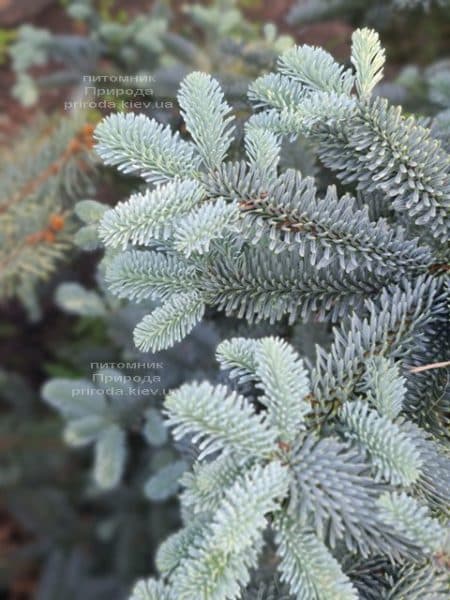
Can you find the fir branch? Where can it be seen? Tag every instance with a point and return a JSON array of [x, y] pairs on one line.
[[139, 274], [212, 221], [393, 454], [150, 590], [367, 142], [433, 483], [176, 547], [295, 217], [217, 419], [379, 149], [407, 516], [262, 148], [204, 486], [206, 115], [392, 323], [418, 581], [238, 357], [308, 567], [218, 562], [169, 323], [285, 384], [316, 69], [384, 387], [275, 90], [138, 145], [333, 491], [368, 58], [152, 215], [259, 285]]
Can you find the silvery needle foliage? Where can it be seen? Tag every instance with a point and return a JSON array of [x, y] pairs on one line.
[[352, 490], [342, 468], [258, 243]]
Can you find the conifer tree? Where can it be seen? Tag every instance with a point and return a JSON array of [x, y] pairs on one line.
[[333, 477]]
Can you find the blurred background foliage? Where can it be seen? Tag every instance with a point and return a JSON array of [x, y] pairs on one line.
[[67, 531]]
